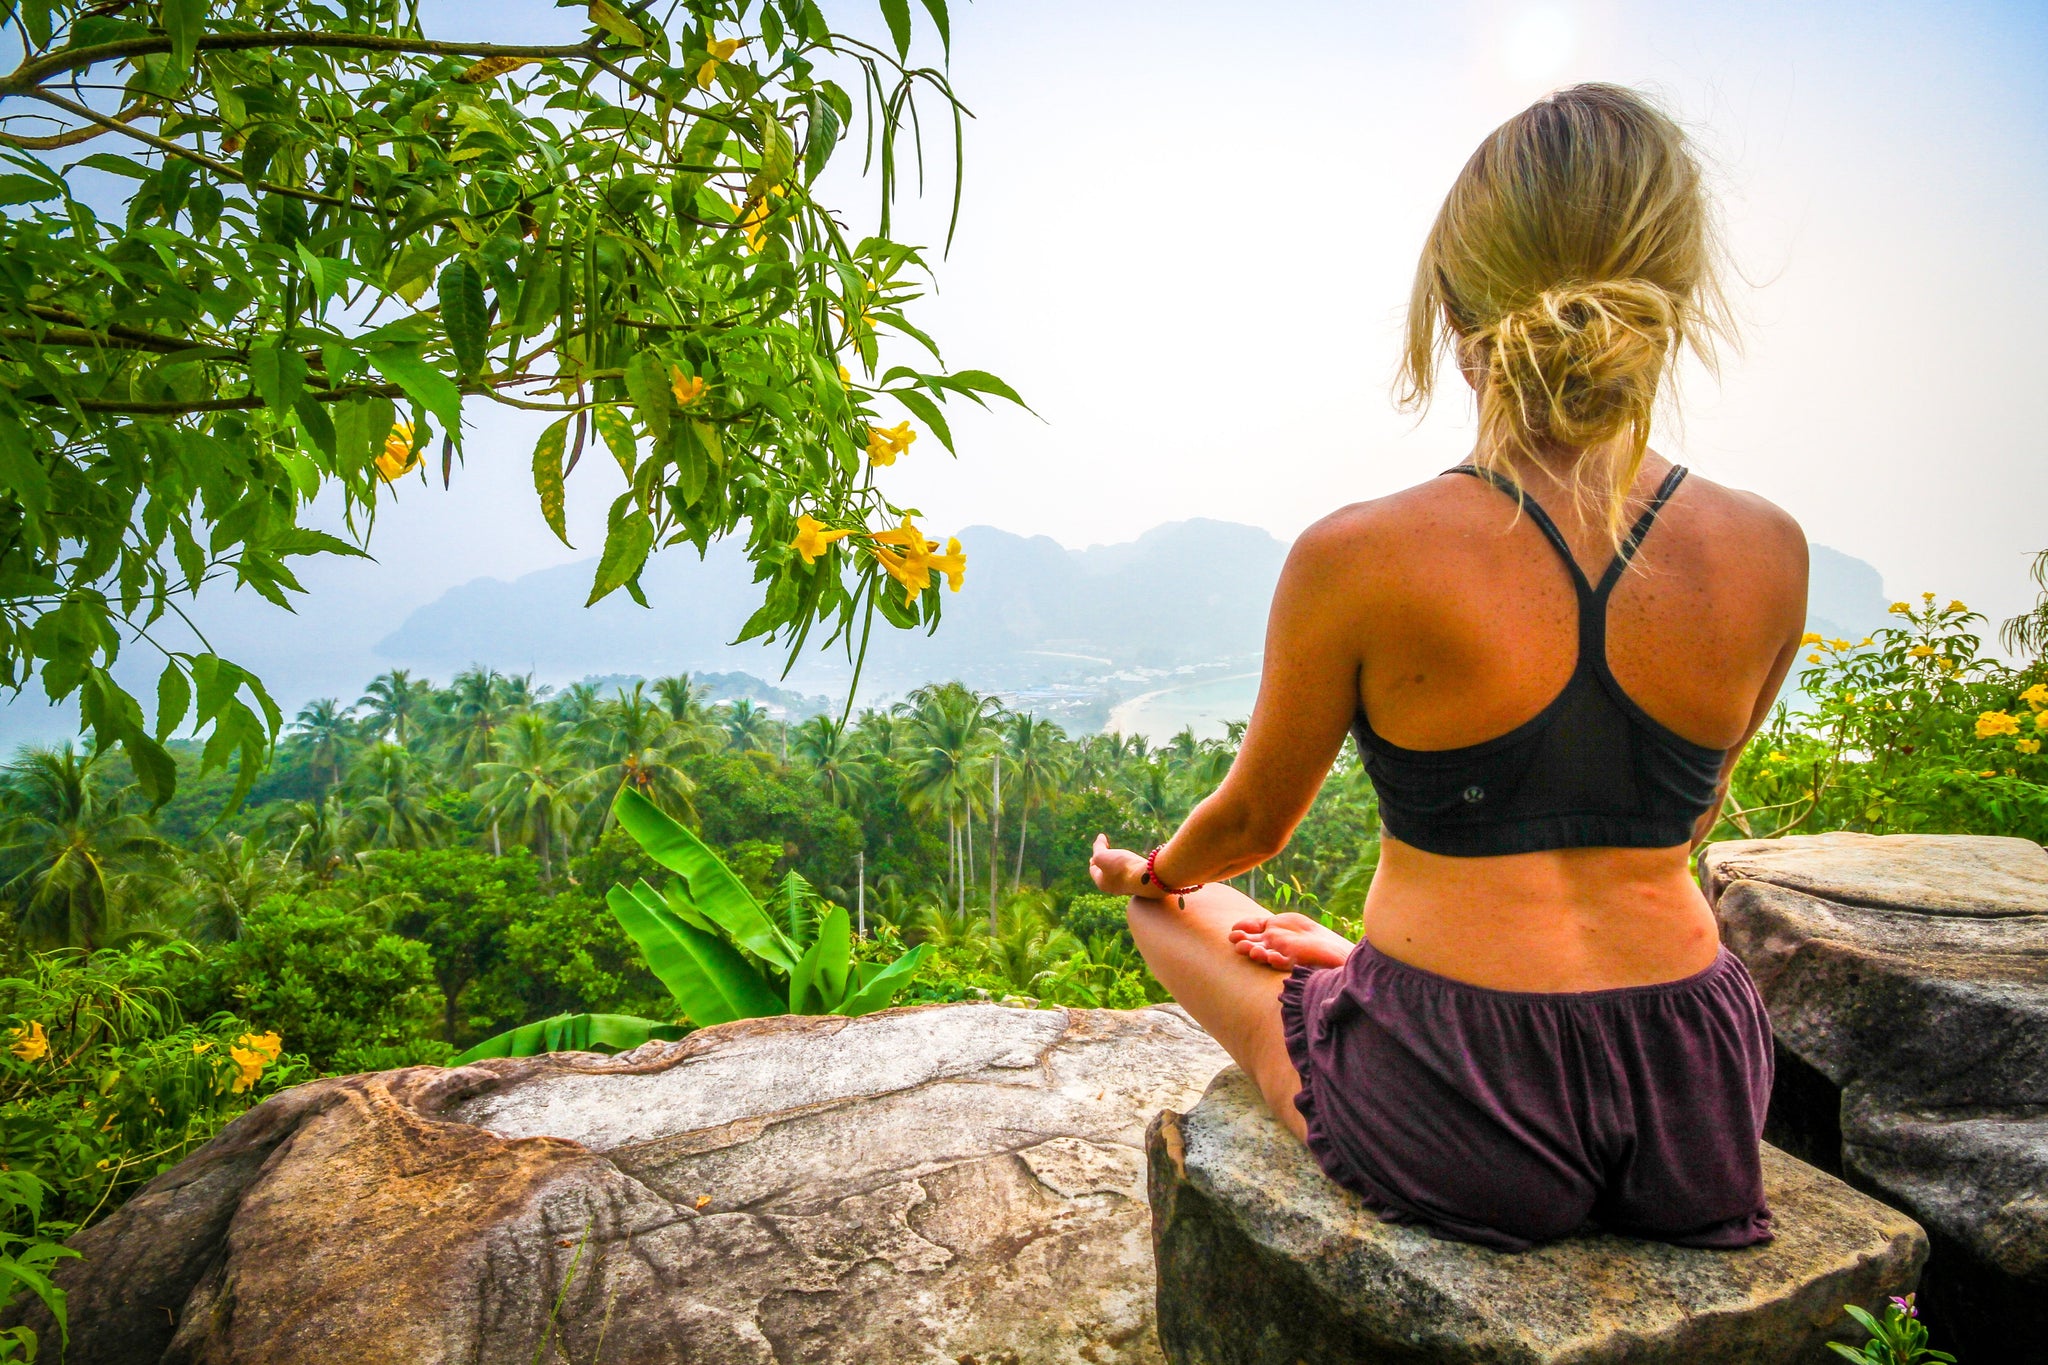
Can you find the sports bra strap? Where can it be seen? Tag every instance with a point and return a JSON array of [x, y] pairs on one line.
[[1630, 543]]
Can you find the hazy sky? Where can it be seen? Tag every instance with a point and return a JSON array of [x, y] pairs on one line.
[[1189, 234]]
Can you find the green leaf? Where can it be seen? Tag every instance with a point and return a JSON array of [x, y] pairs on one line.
[[937, 10], [647, 385], [626, 545], [547, 477], [278, 374], [713, 889], [20, 471], [26, 189], [928, 411], [423, 384], [897, 12], [463, 314], [616, 24], [571, 1033], [617, 430], [881, 988], [173, 699], [185, 21], [834, 946], [710, 981]]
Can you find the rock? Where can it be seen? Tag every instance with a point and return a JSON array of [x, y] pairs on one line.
[[955, 1183], [1264, 1261], [1907, 981]]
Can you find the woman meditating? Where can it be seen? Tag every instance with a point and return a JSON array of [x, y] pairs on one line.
[[1550, 657]]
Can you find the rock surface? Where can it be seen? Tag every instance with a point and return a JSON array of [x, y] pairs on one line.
[[1264, 1261], [1907, 981], [948, 1184]]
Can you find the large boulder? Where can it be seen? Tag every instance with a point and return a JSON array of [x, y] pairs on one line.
[[1264, 1261], [959, 1183], [1907, 982]]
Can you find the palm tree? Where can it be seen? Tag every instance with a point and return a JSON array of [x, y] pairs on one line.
[[519, 692], [324, 731], [1155, 797], [528, 789], [225, 880], [394, 705], [685, 701], [69, 850], [747, 726], [477, 712], [575, 702], [394, 811], [950, 728], [842, 769], [632, 743], [316, 830], [1037, 766]]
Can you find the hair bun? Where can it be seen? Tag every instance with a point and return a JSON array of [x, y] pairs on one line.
[[1582, 361]]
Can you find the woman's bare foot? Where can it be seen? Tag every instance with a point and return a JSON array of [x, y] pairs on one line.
[[1289, 941]]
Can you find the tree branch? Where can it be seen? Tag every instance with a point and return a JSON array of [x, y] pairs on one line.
[[25, 78], [58, 141]]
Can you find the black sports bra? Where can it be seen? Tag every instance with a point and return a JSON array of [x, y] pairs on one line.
[[1590, 770]]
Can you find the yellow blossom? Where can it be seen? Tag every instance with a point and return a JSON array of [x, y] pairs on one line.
[[812, 537], [1920, 651], [1813, 658], [952, 564], [1928, 598], [754, 215], [399, 457], [1992, 723], [1839, 645], [250, 1054], [687, 388], [202, 1047], [845, 375], [2041, 721], [2028, 746], [718, 52], [886, 443], [2036, 696], [911, 564], [1899, 608], [1863, 642], [268, 1044], [1810, 638], [1947, 665], [29, 1042], [1957, 606], [1774, 757]]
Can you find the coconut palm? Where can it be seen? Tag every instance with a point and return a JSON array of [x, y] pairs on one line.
[[575, 703], [949, 730], [632, 742], [314, 833], [476, 713], [528, 790], [1035, 766], [324, 732], [395, 706], [394, 809], [223, 881], [70, 851], [747, 726], [843, 771]]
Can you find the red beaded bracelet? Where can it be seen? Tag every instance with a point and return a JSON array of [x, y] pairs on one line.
[[1151, 876]]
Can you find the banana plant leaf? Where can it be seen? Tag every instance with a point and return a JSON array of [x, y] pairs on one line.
[[713, 890], [835, 960], [883, 985], [710, 981], [571, 1033]]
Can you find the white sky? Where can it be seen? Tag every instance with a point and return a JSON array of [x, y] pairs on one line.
[[1188, 240]]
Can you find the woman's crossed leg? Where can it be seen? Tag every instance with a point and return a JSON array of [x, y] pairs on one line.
[[1224, 957]]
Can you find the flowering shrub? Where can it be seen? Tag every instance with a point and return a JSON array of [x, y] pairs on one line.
[[1897, 1338], [1912, 730], [103, 1083]]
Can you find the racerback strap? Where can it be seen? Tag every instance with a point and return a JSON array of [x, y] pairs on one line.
[[1629, 545]]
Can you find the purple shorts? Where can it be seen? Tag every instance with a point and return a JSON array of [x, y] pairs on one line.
[[1513, 1117]]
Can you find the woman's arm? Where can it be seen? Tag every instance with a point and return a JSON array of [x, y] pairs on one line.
[[1308, 694]]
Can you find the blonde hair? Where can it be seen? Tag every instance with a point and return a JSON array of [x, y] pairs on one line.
[[1574, 256]]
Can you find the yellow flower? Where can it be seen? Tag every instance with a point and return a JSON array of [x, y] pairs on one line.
[[1774, 757], [952, 564], [812, 537], [886, 443], [1862, 642], [1810, 638], [29, 1043], [687, 388], [2028, 746], [1993, 723], [399, 457], [1947, 665], [2036, 696], [1813, 658], [1839, 645], [1957, 605], [1899, 609], [268, 1044], [1927, 597], [719, 51], [754, 215], [202, 1047], [911, 565], [2041, 722], [1920, 651], [250, 1054], [845, 375]]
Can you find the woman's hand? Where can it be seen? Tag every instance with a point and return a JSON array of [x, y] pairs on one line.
[[1116, 871]]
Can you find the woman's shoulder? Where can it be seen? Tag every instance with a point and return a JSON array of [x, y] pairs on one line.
[[1736, 520]]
